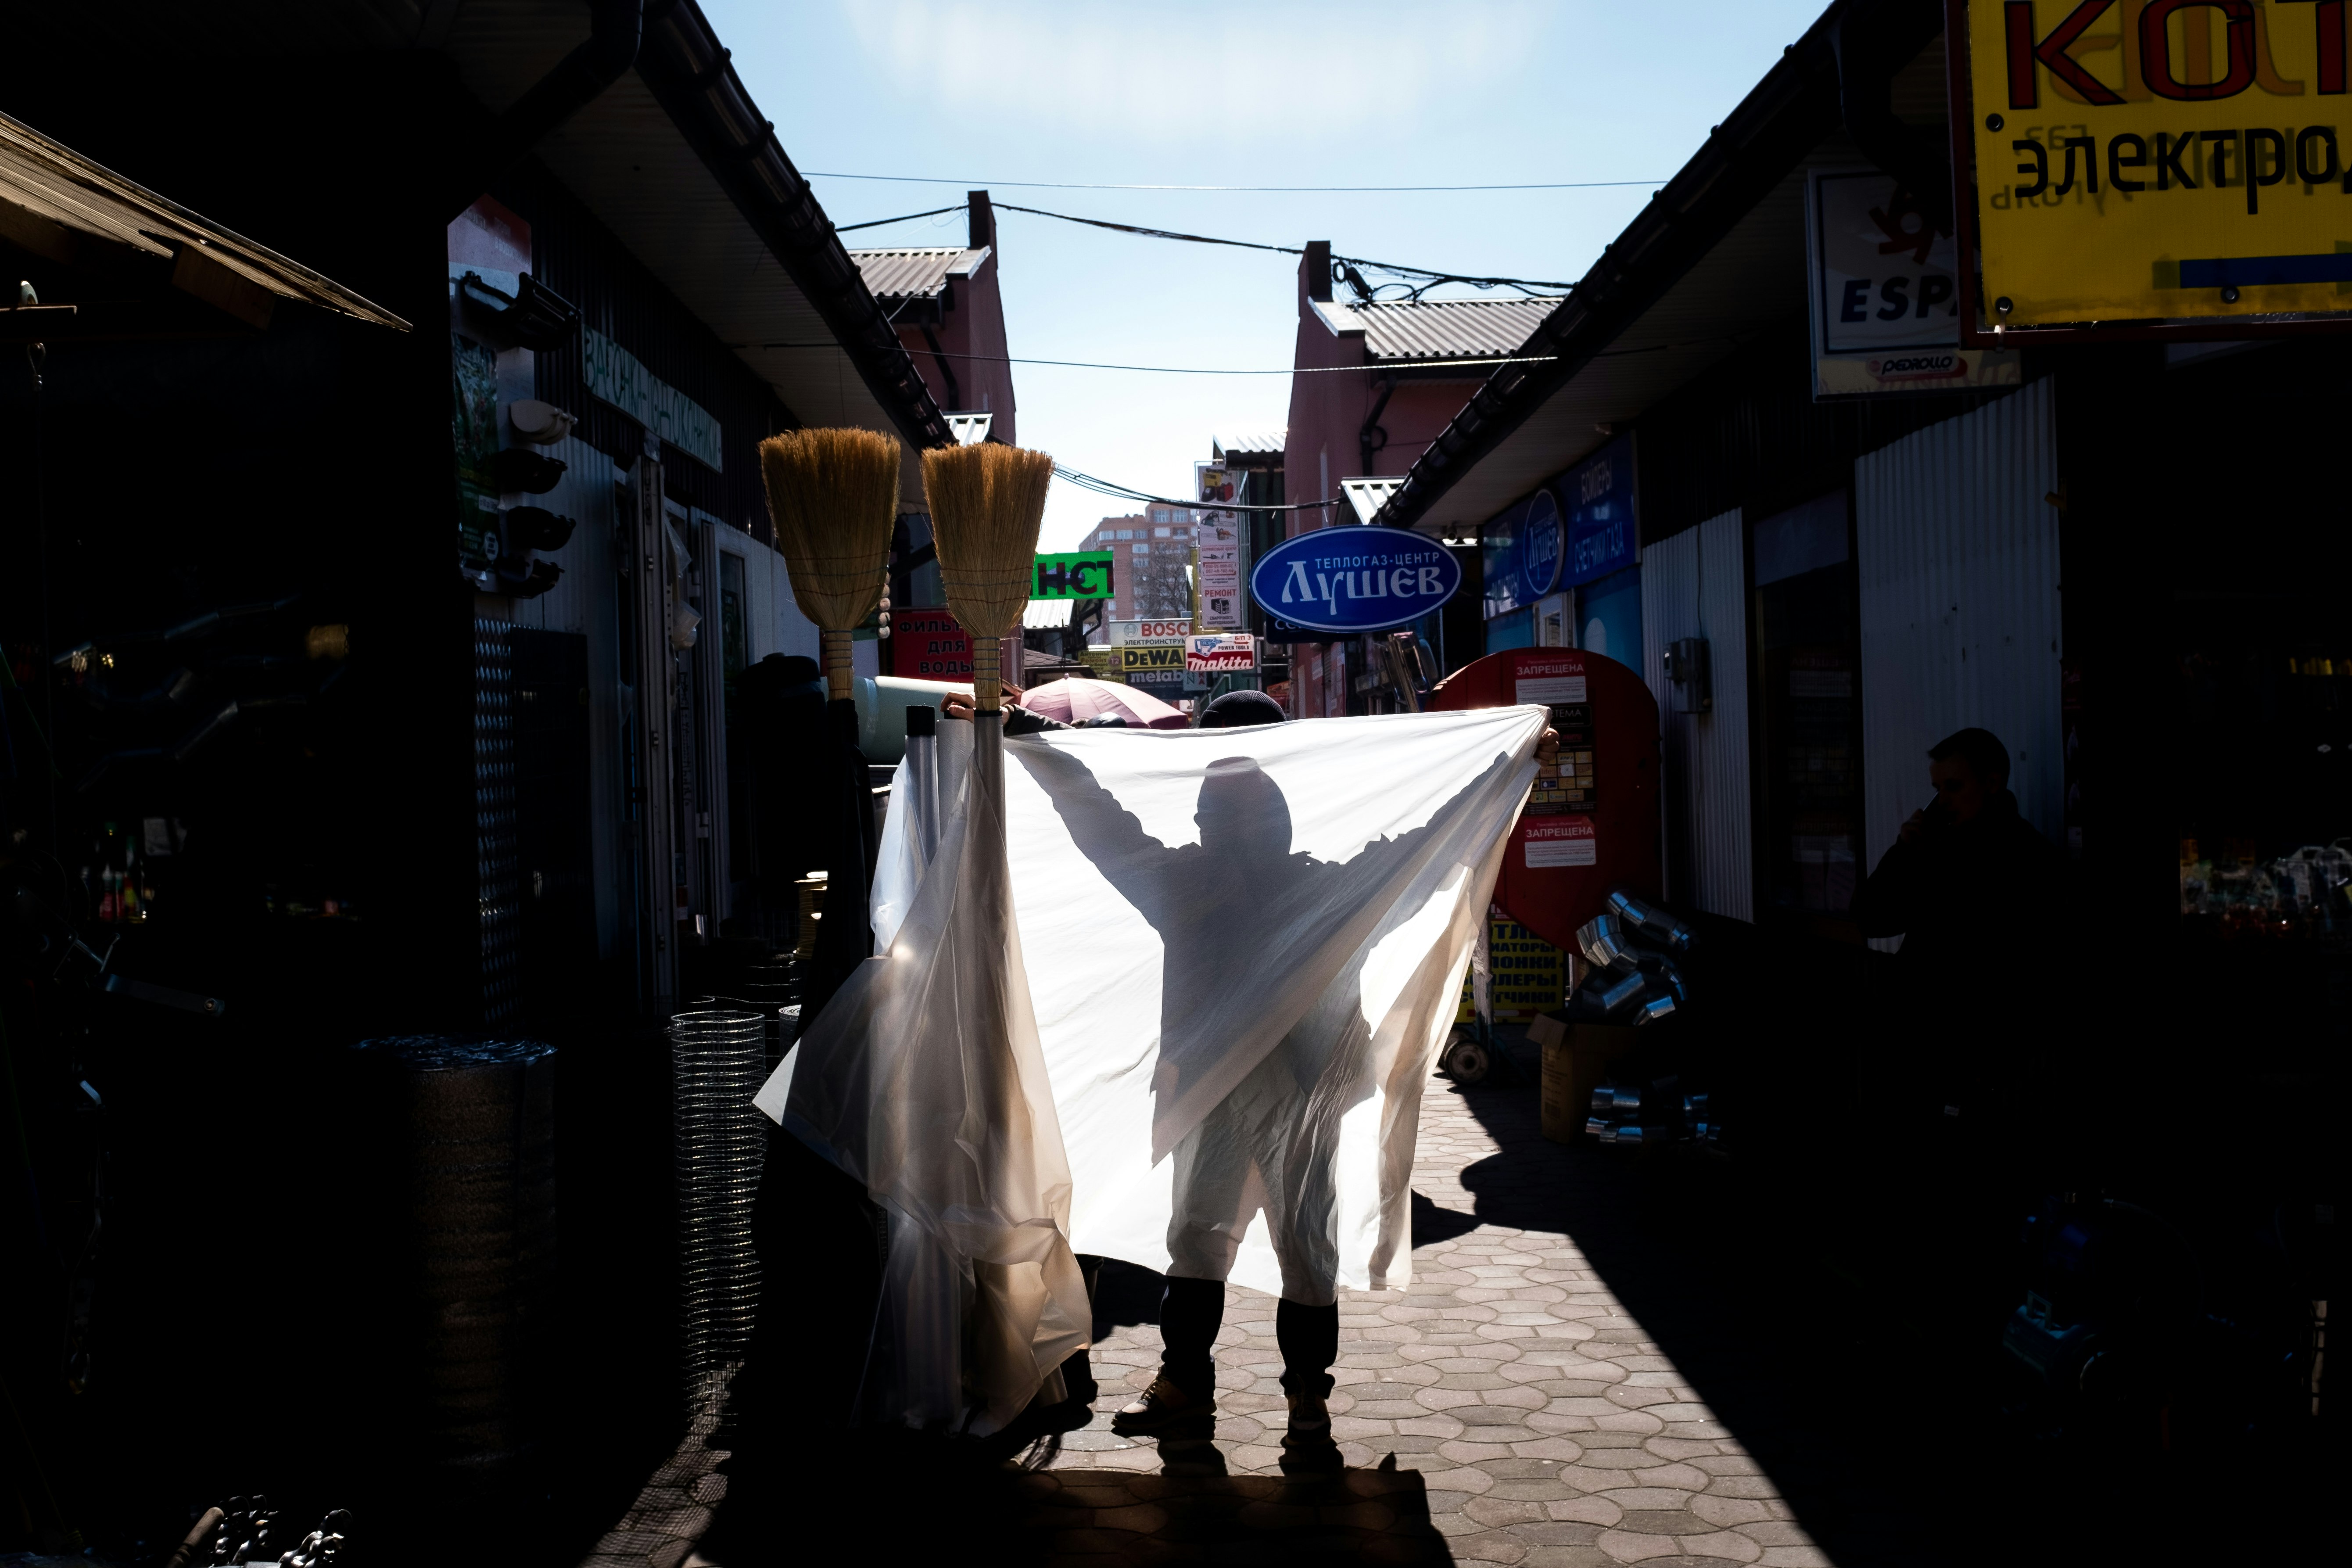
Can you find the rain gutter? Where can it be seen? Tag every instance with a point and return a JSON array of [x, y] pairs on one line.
[[690, 74]]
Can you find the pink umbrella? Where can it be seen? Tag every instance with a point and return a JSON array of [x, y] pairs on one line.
[[1074, 698]]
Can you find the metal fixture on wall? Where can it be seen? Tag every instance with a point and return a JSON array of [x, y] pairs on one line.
[[1687, 672]]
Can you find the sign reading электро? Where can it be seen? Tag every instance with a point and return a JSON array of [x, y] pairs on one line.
[[2161, 160]]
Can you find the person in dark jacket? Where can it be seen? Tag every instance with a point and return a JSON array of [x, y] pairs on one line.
[[1972, 889], [1961, 874]]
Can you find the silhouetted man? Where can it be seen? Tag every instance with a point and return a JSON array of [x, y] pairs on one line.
[[1965, 879]]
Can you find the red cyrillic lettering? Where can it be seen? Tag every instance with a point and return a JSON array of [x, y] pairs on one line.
[[2156, 49], [2025, 89]]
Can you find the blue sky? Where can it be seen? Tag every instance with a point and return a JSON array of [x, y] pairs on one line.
[[1261, 94]]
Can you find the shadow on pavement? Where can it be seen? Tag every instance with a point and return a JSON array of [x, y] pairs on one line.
[[1873, 1409], [916, 1498]]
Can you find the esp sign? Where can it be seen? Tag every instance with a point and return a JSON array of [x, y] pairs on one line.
[[1084, 574], [2154, 160]]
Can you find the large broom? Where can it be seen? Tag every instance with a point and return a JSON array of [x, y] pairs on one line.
[[986, 503], [834, 495]]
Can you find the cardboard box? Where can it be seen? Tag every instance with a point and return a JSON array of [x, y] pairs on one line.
[[1577, 1058]]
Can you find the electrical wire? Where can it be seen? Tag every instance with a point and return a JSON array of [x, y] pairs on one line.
[[1123, 492], [1383, 367], [910, 218], [1434, 276], [1348, 190]]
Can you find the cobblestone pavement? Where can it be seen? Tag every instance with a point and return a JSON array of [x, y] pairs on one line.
[[1506, 1404]]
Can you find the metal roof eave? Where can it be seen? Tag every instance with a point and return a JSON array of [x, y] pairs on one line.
[[676, 161], [1772, 132], [58, 190], [688, 71]]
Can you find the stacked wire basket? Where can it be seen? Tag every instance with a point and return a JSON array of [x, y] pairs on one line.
[[719, 1059]]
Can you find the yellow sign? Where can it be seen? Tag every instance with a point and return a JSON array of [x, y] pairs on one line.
[[2159, 160], [1133, 657], [1527, 975]]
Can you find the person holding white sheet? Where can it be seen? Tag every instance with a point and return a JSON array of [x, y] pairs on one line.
[[1268, 1144]]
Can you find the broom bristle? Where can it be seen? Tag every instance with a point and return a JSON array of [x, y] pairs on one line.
[[833, 495], [987, 501]]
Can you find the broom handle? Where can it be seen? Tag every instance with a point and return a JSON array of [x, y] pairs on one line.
[[987, 674], [838, 646]]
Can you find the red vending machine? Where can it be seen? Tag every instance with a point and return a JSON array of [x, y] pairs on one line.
[[1591, 825]]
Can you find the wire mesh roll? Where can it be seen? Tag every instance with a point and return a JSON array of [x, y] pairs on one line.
[[717, 1060], [473, 1125]]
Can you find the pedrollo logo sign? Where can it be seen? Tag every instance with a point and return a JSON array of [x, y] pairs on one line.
[[1348, 580]]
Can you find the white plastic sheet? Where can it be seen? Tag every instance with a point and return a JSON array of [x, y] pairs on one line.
[[1223, 963]]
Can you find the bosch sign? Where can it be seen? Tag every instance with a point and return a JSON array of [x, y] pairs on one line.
[[1350, 580]]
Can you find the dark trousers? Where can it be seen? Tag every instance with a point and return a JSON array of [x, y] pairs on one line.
[[1191, 1311]]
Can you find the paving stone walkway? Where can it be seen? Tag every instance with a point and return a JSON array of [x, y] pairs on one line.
[[1509, 1394], [1506, 1408]]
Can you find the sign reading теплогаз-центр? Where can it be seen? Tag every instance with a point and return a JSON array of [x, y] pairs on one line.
[[2163, 160], [1357, 579]]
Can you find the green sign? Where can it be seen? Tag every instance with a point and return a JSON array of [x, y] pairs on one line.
[[1085, 575]]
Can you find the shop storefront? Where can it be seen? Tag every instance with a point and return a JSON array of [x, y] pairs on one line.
[[1561, 567]]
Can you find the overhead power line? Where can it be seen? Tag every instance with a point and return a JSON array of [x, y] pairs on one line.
[[1346, 190], [1124, 492], [1383, 366], [1435, 277], [910, 218]]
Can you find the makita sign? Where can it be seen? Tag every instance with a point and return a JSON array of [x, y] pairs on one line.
[[1348, 580]]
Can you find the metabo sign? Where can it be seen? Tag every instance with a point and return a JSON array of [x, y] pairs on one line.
[[1354, 579], [2168, 161]]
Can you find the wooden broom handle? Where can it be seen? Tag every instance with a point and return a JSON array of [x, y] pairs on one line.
[[987, 675], [838, 646]]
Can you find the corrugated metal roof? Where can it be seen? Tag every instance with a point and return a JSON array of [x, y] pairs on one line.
[[57, 195], [1368, 496], [1438, 329], [916, 274], [1250, 444]]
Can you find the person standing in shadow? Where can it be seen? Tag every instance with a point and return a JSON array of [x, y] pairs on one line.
[[1976, 894]]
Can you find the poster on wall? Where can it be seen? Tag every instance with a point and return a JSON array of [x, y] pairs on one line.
[[1216, 532], [1885, 296], [930, 644]]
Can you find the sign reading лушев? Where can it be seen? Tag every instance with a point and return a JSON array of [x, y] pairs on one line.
[[1354, 579], [2166, 160]]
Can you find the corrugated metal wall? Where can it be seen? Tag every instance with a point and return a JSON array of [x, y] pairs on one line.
[[1695, 584], [1958, 552]]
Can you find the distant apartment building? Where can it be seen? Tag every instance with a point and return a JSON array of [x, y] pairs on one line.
[[1151, 554]]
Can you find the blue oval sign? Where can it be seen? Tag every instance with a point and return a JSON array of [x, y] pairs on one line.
[[1354, 579], [1539, 552]]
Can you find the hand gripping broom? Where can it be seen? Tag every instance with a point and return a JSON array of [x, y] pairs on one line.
[[1029, 1307], [834, 495]]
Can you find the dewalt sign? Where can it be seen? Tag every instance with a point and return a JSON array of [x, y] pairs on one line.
[[2144, 161]]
